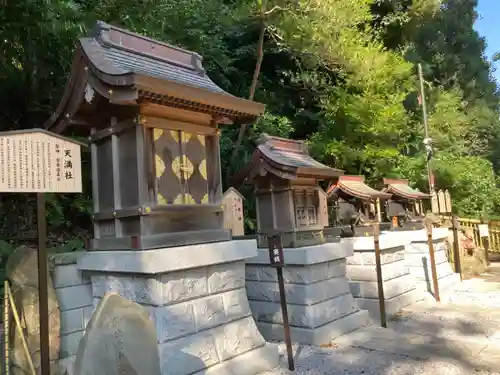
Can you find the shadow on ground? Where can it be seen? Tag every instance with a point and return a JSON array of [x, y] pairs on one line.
[[426, 339]]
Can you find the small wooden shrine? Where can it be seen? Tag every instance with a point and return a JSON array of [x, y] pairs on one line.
[[405, 207], [353, 206], [289, 200], [153, 116]]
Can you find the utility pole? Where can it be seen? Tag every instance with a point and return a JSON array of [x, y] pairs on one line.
[[427, 140]]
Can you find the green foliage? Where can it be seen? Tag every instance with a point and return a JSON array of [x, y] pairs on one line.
[[471, 182], [70, 246], [339, 73]]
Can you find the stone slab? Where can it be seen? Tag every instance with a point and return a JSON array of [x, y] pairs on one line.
[[446, 283], [308, 255], [172, 287], [158, 261], [392, 288], [422, 273], [298, 294], [307, 316], [253, 362], [387, 240], [392, 305], [72, 321], [74, 297], [390, 271], [298, 274], [69, 343], [414, 259], [367, 257], [209, 347], [438, 234], [197, 299], [65, 258], [320, 335]]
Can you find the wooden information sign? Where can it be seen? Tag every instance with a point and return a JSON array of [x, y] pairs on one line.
[[38, 161], [483, 230]]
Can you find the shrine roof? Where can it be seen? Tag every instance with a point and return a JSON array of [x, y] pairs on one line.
[[285, 158], [119, 52], [128, 68], [401, 188], [355, 186]]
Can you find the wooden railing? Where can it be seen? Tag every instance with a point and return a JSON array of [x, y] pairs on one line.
[[494, 231]]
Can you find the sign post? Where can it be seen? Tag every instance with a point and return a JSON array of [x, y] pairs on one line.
[[432, 257], [484, 233], [277, 260], [456, 246], [38, 161], [380, 280]]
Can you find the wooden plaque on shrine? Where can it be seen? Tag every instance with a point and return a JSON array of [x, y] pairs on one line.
[[232, 202], [153, 115]]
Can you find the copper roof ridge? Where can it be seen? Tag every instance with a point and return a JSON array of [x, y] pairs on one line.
[[100, 33]]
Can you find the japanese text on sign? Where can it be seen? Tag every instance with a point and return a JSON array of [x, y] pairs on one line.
[[275, 251], [39, 162]]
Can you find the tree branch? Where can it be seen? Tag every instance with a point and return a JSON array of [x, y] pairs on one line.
[[255, 80], [274, 9]]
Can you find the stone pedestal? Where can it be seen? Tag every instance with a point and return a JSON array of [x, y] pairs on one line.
[[196, 296], [74, 295], [418, 260], [399, 285], [320, 306]]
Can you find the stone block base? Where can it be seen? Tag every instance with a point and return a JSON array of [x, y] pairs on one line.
[[392, 305], [320, 306], [418, 260], [319, 335], [399, 285], [196, 297]]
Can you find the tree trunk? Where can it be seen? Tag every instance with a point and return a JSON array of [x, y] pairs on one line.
[[255, 78]]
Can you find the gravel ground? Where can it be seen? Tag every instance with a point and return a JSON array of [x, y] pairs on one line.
[[349, 358], [357, 361]]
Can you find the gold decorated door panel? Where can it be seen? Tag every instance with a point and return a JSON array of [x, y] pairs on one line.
[[181, 171], [195, 179]]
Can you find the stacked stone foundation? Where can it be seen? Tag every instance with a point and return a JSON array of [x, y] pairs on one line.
[[197, 299], [320, 305], [418, 260], [399, 285], [74, 294]]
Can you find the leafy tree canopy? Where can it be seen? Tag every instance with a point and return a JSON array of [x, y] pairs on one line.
[[340, 73]]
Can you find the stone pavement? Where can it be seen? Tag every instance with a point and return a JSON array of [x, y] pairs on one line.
[[459, 336]]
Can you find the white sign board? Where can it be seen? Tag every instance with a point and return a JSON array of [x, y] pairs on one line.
[[36, 161], [483, 230]]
